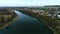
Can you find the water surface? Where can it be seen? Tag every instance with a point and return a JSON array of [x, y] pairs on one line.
[[26, 24]]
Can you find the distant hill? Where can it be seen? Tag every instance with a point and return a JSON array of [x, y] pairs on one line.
[[52, 6]]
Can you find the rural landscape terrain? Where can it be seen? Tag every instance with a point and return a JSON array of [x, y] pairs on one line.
[[48, 15]]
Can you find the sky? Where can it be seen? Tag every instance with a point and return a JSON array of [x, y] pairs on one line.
[[28, 2]]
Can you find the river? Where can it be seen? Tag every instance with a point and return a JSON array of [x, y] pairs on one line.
[[26, 24]]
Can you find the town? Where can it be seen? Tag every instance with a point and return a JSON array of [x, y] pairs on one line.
[[51, 12], [49, 16]]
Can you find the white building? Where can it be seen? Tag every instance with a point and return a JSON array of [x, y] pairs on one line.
[[58, 16], [38, 11]]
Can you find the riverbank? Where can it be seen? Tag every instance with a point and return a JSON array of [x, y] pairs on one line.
[[42, 20], [8, 23]]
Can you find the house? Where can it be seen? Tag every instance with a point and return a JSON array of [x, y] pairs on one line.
[[58, 16], [49, 15], [41, 12]]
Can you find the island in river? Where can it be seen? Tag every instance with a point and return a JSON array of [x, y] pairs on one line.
[[6, 16]]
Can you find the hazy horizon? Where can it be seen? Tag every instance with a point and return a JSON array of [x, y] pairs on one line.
[[27, 3]]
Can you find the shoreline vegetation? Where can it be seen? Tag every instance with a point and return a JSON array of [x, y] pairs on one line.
[[7, 24], [52, 26], [7, 18]]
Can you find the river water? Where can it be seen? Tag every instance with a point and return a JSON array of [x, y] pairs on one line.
[[26, 24]]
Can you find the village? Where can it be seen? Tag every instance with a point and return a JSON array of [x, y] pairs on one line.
[[50, 17], [51, 12]]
